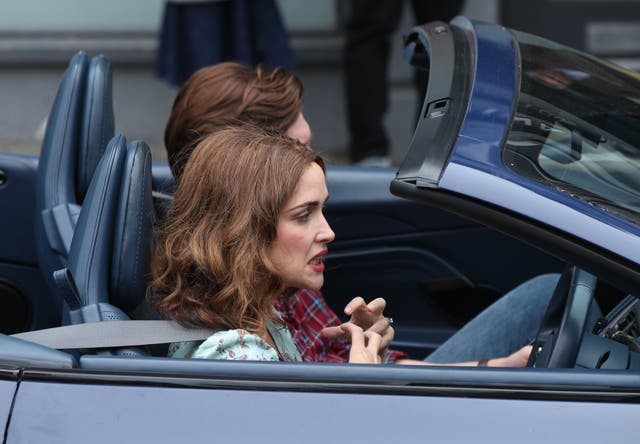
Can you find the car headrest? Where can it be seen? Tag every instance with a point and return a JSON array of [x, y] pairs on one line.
[[56, 207], [97, 122], [56, 167], [133, 232]]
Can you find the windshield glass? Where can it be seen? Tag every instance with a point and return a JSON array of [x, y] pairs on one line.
[[577, 126]]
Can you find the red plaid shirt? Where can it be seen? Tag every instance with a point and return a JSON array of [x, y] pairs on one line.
[[306, 313]]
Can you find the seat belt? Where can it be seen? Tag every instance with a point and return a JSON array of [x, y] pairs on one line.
[[112, 334]]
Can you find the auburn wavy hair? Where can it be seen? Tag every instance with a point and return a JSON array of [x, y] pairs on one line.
[[212, 267], [228, 94]]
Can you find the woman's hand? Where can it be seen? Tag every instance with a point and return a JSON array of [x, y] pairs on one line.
[[365, 345], [369, 317]]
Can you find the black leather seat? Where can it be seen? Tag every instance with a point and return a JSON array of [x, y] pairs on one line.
[[79, 126]]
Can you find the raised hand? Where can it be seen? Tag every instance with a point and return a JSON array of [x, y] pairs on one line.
[[365, 345], [369, 317]]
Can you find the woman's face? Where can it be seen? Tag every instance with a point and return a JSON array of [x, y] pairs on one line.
[[303, 233], [300, 130]]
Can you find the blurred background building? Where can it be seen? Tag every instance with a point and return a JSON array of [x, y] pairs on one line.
[[37, 37]]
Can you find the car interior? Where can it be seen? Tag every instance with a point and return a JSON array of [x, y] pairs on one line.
[[94, 234]]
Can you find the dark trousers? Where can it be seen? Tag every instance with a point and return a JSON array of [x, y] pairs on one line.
[[194, 35], [369, 27]]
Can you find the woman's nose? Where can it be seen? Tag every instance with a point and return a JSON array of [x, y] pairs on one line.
[[325, 234]]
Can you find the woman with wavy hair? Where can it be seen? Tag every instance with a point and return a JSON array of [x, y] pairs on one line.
[[229, 93], [246, 227]]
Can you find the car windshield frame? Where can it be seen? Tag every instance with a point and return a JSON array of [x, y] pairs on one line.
[[446, 52]]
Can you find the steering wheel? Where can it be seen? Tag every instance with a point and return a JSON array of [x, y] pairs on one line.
[[562, 328]]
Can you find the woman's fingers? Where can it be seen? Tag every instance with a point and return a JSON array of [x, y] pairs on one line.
[[373, 341], [365, 346], [384, 329], [354, 332], [374, 347], [387, 337], [334, 332], [381, 325], [366, 315], [354, 304], [377, 306]]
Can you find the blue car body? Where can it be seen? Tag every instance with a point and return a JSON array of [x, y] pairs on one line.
[[49, 395]]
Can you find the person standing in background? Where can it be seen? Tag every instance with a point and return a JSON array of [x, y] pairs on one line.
[[369, 27], [198, 33]]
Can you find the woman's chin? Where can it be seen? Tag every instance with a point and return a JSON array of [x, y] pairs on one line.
[[315, 285]]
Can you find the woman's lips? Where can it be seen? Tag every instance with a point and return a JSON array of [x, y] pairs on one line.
[[317, 263]]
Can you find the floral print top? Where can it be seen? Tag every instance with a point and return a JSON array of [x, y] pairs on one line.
[[236, 344], [241, 345]]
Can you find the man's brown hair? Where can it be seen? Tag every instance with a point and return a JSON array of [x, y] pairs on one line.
[[228, 94]]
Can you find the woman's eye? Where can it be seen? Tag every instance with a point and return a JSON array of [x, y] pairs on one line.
[[303, 217]]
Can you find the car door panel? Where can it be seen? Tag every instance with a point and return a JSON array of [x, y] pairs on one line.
[[17, 191], [73, 413], [8, 387], [24, 298]]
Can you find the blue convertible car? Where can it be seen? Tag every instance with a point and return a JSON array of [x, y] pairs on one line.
[[524, 160]]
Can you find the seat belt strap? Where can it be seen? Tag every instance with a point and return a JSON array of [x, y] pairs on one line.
[[111, 334]]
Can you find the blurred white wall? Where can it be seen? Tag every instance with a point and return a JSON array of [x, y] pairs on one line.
[[80, 15], [136, 15]]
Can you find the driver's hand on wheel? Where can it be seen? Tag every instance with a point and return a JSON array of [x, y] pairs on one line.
[[518, 358]]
